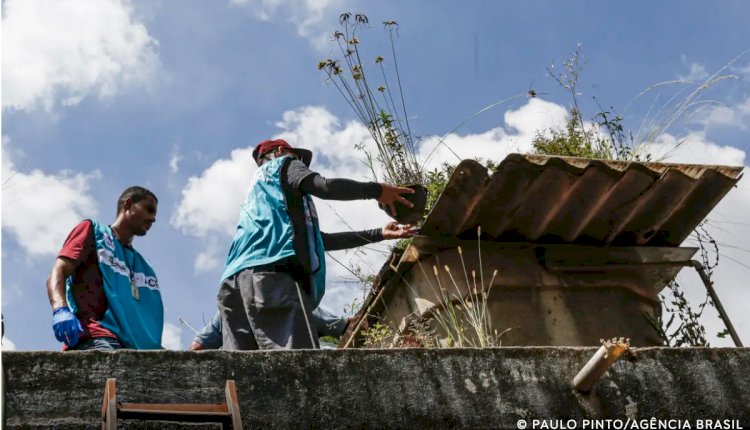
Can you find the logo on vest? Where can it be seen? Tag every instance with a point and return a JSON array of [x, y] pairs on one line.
[[108, 241], [118, 266], [141, 280]]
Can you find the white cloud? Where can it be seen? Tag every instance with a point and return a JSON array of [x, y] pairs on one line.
[[744, 107], [521, 126], [39, 209], [697, 72], [316, 129], [210, 202], [171, 337], [12, 293], [721, 116], [305, 15], [741, 70], [693, 148], [174, 160], [712, 113], [63, 51], [8, 345], [733, 115], [210, 258]]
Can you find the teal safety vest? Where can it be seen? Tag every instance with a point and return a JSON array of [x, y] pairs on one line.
[[265, 232], [136, 321]]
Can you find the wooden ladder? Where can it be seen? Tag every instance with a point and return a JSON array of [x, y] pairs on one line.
[[228, 414]]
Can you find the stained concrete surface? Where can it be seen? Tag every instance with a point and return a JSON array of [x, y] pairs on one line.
[[412, 388]]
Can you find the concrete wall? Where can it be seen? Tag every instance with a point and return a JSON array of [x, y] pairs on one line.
[[412, 388]]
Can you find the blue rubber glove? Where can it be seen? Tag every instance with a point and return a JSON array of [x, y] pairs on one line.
[[66, 326]]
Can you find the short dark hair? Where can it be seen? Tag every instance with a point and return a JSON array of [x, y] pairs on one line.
[[135, 194]]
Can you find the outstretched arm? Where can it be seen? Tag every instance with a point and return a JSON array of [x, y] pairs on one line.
[[339, 188], [353, 239], [350, 239], [209, 337], [299, 176]]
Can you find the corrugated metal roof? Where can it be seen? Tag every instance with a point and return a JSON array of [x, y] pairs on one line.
[[535, 198]]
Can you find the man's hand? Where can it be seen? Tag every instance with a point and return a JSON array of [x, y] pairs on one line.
[[390, 195], [66, 326], [195, 346], [394, 230]]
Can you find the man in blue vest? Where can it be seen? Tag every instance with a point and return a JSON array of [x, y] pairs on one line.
[[274, 275], [104, 294]]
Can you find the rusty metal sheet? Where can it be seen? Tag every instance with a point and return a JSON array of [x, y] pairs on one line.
[[544, 199]]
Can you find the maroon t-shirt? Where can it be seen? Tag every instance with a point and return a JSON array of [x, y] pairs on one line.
[[87, 281]]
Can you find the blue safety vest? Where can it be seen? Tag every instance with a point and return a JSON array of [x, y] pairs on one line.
[[265, 233], [136, 318]]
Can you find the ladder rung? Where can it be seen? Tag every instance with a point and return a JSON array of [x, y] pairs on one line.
[[181, 417], [173, 408]]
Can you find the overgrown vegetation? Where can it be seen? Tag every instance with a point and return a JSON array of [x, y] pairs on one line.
[[603, 137], [460, 317], [683, 328], [372, 99], [418, 333], [464, 317]]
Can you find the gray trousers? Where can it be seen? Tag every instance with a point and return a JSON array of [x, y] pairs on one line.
[[265, 309]]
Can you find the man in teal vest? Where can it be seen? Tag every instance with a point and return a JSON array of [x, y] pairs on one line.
[[104, 294], [274, 275]]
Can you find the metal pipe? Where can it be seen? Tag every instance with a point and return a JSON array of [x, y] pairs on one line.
[[712, 292], [610, 351]]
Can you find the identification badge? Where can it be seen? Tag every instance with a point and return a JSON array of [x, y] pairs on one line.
[[133, 288]]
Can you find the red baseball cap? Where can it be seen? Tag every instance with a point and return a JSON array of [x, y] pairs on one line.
[[267, 146]]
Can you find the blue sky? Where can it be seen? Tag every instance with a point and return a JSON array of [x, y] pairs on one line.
[[98, 96]]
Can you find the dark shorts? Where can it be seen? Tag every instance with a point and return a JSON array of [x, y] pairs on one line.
[[265, 308]]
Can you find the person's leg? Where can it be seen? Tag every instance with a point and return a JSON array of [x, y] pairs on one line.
[[280, 313], [99, 344], [235, 326]]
